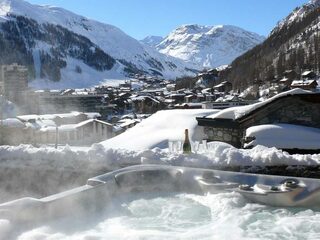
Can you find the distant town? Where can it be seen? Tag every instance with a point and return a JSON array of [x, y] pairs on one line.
[[86, 116]]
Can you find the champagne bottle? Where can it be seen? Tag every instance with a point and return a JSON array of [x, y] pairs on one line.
[[186, 144]]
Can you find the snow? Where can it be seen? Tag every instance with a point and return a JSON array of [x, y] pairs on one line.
[[238, 112], [89, 77], [159, 128], [90, 115], [8, 108], [146, 143], [297, 15], [208, 46], [302, 82], [124, 123], [99, 157], [12, 122], [284, 136], [109, 38], [152, 41]]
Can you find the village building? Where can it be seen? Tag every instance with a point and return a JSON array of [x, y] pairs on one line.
[[73, 128], [285, 82], [177, 97], [41, 102], [188, 106], [13, 82], [307, 75], [296, 106], [223, 87], [146, 104], [83, 133], [191, 98], [305, 84]]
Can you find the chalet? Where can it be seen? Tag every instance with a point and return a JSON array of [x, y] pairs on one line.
[[146, 104], [191, 98], [290, 74], [304, 84], [83, 133], [285, 82], [178, 97], [223, 87], [296, 106], [69, 128], [188, 106], [308, 75], [207, 78]]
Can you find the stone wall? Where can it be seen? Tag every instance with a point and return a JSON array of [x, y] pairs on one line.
[[232, 136]]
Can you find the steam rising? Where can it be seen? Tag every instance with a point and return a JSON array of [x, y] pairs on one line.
[[183, 216]]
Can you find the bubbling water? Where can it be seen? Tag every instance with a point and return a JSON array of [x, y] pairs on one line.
[[183, 216]]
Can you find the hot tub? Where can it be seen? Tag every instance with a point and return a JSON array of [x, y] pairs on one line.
[[104, 192]]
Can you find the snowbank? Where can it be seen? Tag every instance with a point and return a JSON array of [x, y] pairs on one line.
[[98, 157], [162, 126], [46, 170], [284, 136], [37, 172]]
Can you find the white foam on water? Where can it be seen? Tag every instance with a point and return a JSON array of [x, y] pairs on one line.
[[184, 216]]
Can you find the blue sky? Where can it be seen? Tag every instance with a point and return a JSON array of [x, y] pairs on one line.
[[140, 18]]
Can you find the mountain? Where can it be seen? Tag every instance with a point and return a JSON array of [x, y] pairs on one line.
[[208, 46], [62, 49], [152, 41], [294, 44]]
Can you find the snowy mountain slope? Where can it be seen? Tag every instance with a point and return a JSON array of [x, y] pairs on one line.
[[208, 46], [297, 14], [152, 41], [129, 53], [292, 45]]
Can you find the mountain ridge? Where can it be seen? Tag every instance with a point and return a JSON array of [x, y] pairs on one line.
[[294, 44], [129, 54], [208, 46]]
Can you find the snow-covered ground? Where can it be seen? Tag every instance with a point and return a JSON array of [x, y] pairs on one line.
[[147, 142], [49, 170], [158, 129]]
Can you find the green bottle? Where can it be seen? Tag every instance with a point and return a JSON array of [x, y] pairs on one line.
[[186, 144]]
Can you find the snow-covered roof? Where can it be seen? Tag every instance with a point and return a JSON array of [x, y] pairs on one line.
[[238, 112], [305, 73], [284, 136], [27, 118], [12, 123], [189, 104], [284, 79], [296, 83], [127, 122], [91, 120], [142, 98], [221, 84], [70, 127]]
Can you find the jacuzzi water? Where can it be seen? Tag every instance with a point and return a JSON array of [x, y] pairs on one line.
[[182, 216]]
